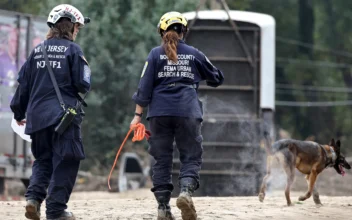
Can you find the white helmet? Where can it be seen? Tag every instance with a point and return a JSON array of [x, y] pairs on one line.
[[66, 11]]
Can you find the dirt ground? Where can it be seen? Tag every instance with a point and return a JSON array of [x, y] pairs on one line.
[[335, 191], [140, 204]]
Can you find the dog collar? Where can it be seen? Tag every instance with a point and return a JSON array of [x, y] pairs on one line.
[[331, 160]]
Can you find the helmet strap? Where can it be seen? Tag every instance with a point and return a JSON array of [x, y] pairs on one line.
[[184, 31], [73, 28]]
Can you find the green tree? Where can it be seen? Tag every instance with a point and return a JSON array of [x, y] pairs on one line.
[[23, 6], [122, 32], [316, 24]]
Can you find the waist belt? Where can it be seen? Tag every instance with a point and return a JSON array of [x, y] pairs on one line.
[[192, 86]]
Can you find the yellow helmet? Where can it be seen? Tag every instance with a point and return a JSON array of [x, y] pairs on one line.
[[169, 19]]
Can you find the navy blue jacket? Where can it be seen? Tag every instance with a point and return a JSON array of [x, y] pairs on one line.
[[162, 86], [35, 98]]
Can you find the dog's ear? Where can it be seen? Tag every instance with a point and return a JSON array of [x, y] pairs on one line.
[[337, 147], [332, 142]]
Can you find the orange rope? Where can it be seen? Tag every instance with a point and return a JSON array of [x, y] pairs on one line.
[[139, 133]]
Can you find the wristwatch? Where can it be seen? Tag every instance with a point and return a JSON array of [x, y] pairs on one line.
[[138, 114]]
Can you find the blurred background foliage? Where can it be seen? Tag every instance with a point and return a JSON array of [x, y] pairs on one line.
[[312, 63]]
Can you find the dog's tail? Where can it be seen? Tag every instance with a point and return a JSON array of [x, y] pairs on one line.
[[267, 144]]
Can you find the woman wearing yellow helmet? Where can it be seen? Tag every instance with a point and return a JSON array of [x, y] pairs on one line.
[[168, 86]]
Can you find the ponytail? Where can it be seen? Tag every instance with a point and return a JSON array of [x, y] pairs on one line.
[[170, 41]]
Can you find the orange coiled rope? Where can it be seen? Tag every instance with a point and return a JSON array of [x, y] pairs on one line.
[[139, 134]]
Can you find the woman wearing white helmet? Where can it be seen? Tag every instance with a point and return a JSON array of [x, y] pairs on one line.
[[57, 155], [168, 86]]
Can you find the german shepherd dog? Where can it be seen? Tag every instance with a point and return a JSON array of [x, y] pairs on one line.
[[309, 158]]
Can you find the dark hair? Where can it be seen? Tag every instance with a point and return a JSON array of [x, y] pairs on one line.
[[170, 41], [62, 29]]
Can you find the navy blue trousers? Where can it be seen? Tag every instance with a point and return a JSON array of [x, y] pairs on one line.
[[54, 171], [186, 132]]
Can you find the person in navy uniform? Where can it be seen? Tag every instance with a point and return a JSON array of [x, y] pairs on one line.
[[35, 103], [168, 86]]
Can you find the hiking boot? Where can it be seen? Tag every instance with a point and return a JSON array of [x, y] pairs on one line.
[[164, 209], [32, 209], [64, 216], [184, 201], [165, 214]]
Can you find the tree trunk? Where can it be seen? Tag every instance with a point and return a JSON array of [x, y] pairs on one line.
[[306, 25], [306, 33], [337, 45]]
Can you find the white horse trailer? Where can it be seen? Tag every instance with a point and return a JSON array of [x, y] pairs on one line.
[[239, 113]]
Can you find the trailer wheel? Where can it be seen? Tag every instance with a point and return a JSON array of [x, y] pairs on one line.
[[2, 185], [25, 182]]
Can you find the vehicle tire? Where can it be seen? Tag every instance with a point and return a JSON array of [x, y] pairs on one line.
[[2, 185]]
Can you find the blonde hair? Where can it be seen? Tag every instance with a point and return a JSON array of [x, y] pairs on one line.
[[170, 41]]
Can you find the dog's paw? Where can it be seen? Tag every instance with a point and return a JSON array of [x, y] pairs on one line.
[[302, 198], [317, 201], [318, 205], [290, 204], [261, 197]]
